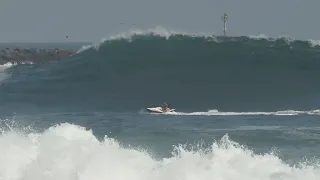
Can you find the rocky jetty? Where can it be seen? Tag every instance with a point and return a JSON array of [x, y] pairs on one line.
[[32, 55]]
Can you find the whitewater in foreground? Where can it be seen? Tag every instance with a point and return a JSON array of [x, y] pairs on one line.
[[69, 152]]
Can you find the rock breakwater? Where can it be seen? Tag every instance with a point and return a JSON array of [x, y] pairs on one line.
[[32, 55]]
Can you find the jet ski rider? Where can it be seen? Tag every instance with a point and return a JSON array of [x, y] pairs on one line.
[[167, 107]]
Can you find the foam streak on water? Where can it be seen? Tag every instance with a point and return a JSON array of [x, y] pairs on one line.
[[215, 112], [69, 152]]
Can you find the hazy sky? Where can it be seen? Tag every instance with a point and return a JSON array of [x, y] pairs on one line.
[[91, 20]]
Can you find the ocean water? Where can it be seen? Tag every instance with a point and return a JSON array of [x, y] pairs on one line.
[[246, 108]]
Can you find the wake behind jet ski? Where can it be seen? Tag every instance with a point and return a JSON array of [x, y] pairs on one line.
[[159, 109]]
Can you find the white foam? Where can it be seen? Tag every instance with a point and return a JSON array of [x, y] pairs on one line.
[[157, 31], [260, 36], [69, 152], [217, 113], [6, 66], [314, 43], [287, 39], [9, 64], [3, 70]]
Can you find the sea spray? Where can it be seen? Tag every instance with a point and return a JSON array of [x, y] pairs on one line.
[[66, 152]]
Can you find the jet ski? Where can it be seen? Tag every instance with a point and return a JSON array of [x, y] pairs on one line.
[[159, 109]]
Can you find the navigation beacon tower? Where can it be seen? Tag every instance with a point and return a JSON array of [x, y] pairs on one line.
[[224, 19]]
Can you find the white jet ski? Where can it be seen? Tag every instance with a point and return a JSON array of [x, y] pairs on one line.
[[159, 110]]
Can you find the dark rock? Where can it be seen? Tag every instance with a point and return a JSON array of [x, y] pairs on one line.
[[32, 55]]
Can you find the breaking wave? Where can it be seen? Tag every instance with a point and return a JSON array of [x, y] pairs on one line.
[[66, 152], [191, 71]]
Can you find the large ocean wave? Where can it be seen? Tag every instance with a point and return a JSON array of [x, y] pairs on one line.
[[137, 69]]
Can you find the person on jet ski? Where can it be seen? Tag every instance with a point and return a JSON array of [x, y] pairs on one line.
[[167, 107]]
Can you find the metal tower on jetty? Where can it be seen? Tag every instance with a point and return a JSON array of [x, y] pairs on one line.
[[224, 19]]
